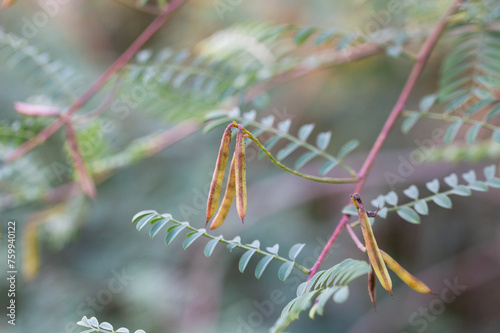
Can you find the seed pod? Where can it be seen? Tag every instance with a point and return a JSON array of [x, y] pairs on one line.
[[371, 287], [403, 274], [227, 200], [374, 255], [218, 177], [240, 173]]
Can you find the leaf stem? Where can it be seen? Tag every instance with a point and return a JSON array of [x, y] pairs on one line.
[[450, 118], [304, 144], [241, 246], [295, 172]]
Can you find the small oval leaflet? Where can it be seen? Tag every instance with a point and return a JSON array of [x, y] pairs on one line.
[[285, 270], [245, 258], [408, 214], [210, 247], [261, 266]]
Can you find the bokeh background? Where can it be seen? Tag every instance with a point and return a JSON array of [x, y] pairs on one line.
[[168, 289]]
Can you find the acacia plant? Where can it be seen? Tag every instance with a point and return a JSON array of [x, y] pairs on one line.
[[207, 88]]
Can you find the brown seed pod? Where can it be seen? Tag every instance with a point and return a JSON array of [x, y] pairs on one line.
[[240, 173], [371, 287], [403, 274], [372, 249], [218, 177], [227, 200]]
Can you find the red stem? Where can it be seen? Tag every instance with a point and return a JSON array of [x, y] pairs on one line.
[[416, 71], [98, 84]]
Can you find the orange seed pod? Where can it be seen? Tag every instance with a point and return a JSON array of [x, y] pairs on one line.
[[218, 177], [240, 174], [372, 249], [371, 287], [227, 200], [403, 274]]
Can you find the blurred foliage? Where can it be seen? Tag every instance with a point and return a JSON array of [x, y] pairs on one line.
[[280, 60]]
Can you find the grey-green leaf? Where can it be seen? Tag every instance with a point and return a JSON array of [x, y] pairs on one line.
[[303, 34], [442, 200], [427, 102], [323, 139], [408, 214], [341, 295], [410, 122], [144, 220], [433, 186], [421, 207], [191, 238], [305, 131], [349, 210], [472, 134], [210, 247], [451, 180], [234, 243], [157, 227], [285, 270], [274, 249], [347, 148], [284, 126], [496, 135], [245, 258], [295, 250], [391, 198], [327, 166], [493, 112], [469, 177], [462, 190], [287, 150], [174, 232], [411, 192], [142, 214], [489, 171], [302, 160], [452, 131], [261, 266]]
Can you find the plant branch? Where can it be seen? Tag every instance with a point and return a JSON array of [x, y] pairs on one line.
[[295, 172], [415, 73], [235, 243], [98, 84], [326, 58], [450, 118], [302, 143]]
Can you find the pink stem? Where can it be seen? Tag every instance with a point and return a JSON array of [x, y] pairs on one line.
[[355, 238], [416, 71], [98, 84]]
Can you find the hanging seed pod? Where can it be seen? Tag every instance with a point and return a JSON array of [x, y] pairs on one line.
[[371, 287], [218, 177], [403, 274], [227, 200], [372, 249], [240, 173]]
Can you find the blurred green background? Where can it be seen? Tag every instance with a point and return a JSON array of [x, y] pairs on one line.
[[101, 266]]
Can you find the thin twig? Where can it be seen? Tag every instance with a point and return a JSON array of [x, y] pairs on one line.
[[417, 69], [355, 238], [100, 109], [328, 58], [98, 84]]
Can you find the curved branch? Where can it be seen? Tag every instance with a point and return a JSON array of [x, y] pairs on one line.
[[295, 172], [98, 84], [415, 73]]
